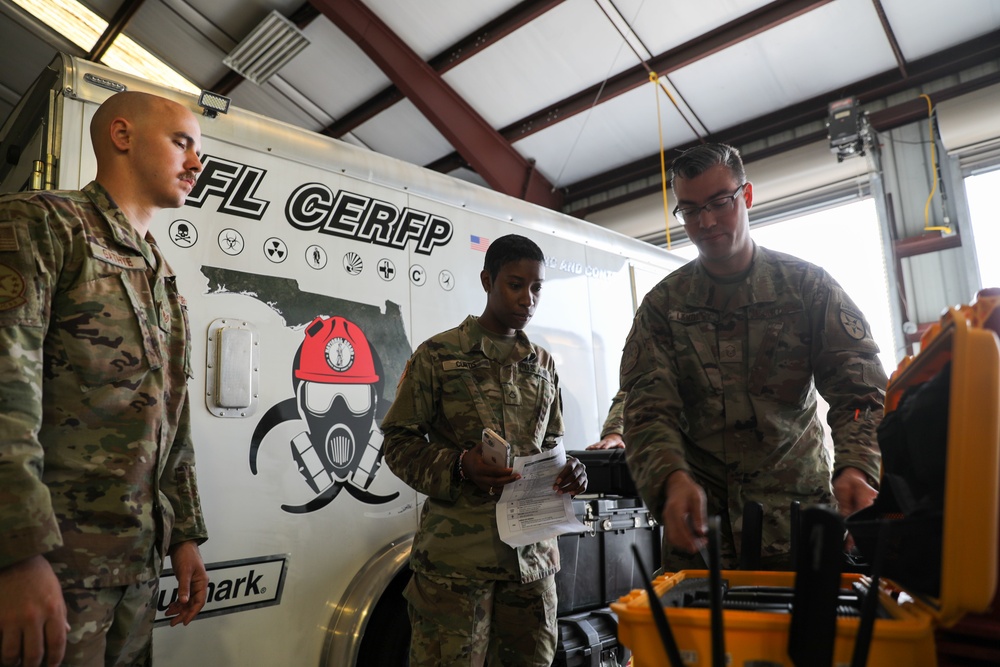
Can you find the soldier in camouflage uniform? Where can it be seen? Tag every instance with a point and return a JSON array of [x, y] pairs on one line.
[[614, 424], [471, 595], [722, 367], [97, 476]]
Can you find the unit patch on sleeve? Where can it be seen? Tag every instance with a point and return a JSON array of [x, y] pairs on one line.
[[12, 288], [629, 356], [853, 325]]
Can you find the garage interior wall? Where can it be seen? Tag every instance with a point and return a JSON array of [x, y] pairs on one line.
[[899, 173]]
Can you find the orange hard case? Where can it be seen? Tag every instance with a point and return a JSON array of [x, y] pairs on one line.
[[970, 529]]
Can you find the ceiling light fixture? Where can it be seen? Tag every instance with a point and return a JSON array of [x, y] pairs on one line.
[[213, 104], [67, 17], [266, 49], [83, 27]]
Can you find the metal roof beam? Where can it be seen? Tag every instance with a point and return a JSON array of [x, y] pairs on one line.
[[936, 66], [490, 154], [116, 26], [890, 37], [457, 53], [729, 34]]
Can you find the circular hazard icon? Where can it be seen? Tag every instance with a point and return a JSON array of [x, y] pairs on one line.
[[275, 250], [183, 233], [316, 257], [353, 263], [12, 287], [231, 241], [386, 269], [417, 275]]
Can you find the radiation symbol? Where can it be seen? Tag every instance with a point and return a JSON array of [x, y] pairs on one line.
[[275, 250]]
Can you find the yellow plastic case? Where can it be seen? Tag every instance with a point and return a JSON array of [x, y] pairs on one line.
[[970, 528]]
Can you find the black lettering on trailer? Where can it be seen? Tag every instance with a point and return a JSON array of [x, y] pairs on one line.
[[315, 207], [234, 182]]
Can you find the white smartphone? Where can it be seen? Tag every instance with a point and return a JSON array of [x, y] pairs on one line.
[[496, 450]]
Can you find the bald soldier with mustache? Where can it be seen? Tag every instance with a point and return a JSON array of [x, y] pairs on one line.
[[97, 472]]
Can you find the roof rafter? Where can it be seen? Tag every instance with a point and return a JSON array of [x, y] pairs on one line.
[[974, 52], [890, 36], [457, 53], [729, 34], [116, 26], [491, 155]]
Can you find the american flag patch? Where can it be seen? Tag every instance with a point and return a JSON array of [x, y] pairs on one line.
[[478, 243], [8, 238]]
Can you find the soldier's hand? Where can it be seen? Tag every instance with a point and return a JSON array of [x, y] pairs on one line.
[[485, 475], [32, 614], [852, 491], [684, 516], [572, 479], [610, 441], [192, 582]]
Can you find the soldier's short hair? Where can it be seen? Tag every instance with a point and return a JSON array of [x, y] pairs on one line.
[[696, 161], [510, 248]]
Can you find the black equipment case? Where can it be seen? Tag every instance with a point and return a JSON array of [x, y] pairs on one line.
[[597, 566], [590, 639], [607, 472]]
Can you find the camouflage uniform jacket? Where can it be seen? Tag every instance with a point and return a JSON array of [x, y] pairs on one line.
[[731, 394], [96, 461], [455, 384], [615, 421]]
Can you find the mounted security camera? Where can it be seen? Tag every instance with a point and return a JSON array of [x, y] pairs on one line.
[[848, 127]]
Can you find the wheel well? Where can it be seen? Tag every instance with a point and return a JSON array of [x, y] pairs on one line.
[[386, 640], [378, 583]]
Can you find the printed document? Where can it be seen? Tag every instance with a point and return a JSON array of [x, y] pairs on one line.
[[529, 509]]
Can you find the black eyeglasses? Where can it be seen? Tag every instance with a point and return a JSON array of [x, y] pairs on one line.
[[717, 205]]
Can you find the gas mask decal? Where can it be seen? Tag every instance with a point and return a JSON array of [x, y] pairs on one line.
[[335, 380]]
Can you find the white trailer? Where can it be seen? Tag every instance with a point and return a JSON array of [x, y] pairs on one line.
[[305, 259]]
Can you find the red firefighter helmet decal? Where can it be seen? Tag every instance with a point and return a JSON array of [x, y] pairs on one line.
[[335, 350]]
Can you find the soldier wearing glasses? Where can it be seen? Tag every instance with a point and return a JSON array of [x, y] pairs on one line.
[[722, 367]]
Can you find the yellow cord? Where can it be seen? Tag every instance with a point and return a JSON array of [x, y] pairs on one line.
[[654, 79], [927, 205]]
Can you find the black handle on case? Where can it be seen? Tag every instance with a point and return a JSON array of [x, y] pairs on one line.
[[793, 517], [753, 529], [869, 608], [813, 628], [715, 592], [659, 616]]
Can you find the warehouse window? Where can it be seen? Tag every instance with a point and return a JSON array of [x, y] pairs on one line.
[[844, 240], [981, 191]]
